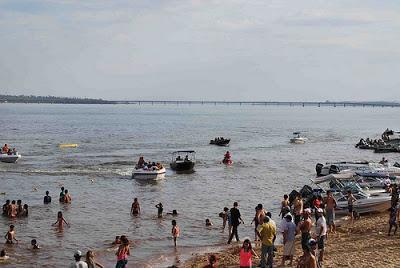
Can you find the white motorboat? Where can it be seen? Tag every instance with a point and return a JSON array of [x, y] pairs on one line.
[[297, 139], [364, 203], [10, 158], [362, 167], [390, 135], [148, 174]]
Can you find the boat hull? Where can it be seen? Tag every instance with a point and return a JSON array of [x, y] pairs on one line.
[[183, 166], [148, 175], [9, 158], [220, 143]]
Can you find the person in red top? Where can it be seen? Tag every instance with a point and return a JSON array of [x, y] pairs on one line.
[[317, 203], [246, 253], [5, 148]]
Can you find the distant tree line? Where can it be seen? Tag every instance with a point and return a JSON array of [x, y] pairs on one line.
[[50, 99]]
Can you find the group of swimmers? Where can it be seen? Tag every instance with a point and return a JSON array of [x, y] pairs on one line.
[[147, 165], [6, 150], [15, 209]]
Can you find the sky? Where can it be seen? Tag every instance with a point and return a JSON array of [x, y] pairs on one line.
[[251, 50]]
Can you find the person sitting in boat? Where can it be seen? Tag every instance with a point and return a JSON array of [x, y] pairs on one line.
[[9, 152], [159, 166], [383, 161], [14, 151], [186, 158], [178, 158], [4, 149], [140, 163]]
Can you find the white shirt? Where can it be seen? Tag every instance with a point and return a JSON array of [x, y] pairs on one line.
[[321, 223], [79, 264], [282, 227]]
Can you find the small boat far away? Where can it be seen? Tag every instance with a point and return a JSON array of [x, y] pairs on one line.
[[68, 145], [183, 165], [220, 141], [297, 138]]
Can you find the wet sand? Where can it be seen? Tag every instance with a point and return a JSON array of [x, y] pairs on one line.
[[366, 244]]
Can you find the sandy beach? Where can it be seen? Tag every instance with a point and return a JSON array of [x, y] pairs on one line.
[[365, 244]]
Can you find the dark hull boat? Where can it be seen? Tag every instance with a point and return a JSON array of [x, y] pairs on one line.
[[183, 165], [223, 142]]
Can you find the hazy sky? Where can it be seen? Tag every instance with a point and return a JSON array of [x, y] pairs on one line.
[[201, 49]]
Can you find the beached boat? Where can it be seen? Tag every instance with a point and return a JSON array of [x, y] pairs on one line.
[[364, 203], [220, 141], [10, 158], [390, 135], [357, 166], [148, 174], [183, 164], [297, 139]]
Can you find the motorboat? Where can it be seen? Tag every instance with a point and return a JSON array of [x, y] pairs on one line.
[[357, 166], [297, 138], [390, 135], [151, 174], [387, 148], [220, 141], [366, 202], [10, 158], [183, 164]]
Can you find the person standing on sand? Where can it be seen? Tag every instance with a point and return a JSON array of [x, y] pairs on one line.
[[350, 202], [236, 219], [246, 254], [321, 232], [393, 218], [330, 211], [78, 263], [289, 235], [297, 208], [123, 252], [266, 232], [175, 231], [305, 227], [307, 260], [47, 198], [135, 209], [10, 235], [160, 209]]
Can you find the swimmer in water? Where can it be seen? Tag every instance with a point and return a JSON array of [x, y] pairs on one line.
[[10, 236], [208, 222], [135, 209], [60, 221], [3, 255], [175, 231], [160, 208], [34, 244], [67, 197]]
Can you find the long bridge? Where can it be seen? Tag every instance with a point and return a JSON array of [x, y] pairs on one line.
[[264, 103]]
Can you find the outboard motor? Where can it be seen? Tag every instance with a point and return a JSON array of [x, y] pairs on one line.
[[318, 169], [334, 169]]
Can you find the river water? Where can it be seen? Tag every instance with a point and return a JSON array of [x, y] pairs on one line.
[[112, 137]]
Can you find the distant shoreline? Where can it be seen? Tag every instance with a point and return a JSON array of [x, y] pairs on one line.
[[68, 100]]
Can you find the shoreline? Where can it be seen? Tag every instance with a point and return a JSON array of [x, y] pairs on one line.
[[364, 244]]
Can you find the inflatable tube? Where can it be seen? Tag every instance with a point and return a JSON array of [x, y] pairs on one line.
[[68, 145]]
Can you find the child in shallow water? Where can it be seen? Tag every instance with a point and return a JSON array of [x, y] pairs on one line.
[[60, 221], [175, 231], [10, 236], [208, 222], [34, 244]]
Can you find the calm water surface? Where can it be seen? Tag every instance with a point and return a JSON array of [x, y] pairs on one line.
[[111, 138]]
